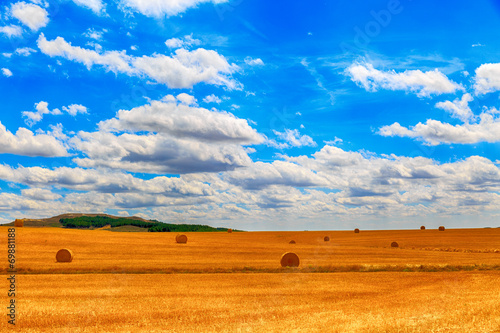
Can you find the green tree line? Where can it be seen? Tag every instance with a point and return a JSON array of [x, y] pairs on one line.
[[86, 222]]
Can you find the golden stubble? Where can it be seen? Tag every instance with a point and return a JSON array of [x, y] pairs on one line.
[[261, 302], [117, 282], [113, 252]]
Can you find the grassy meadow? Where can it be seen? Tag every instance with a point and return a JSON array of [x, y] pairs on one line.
[[232, 282]]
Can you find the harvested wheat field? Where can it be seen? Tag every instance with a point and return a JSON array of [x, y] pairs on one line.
[[104, 251], [219, 282], [330, 302]]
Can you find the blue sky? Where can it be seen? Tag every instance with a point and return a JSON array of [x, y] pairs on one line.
[[251, 114]]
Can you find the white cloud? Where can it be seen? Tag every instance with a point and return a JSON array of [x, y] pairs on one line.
[[186, 99], [36, 116], [334, 142], [74, 109], [487, 78], [212, 99], [254, 62], [181, 70], [6, 72], [351, 186], [117, 62], [40, 194], [176, 117], [185, 42], [42, 109], [24, 51], [292, 138], [160, 8], [459, 108], [96, 46], [186, 68], [11, 31], [33, 16], [333, 158], [95, 5], [156, 153], [361, 184], [434, 132], [424, 84], [94, 34], [26, 143], [103, 181], [260, 175]]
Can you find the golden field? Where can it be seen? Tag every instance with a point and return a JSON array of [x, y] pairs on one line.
[[123, 282], [105, 251]]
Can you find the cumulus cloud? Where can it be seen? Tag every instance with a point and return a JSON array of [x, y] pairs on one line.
[[186, 68], [95, 5], [94, 34], [176, 117], [212, 99], [36, 116], [42, 108], [74, 109], [24, 51], [260, 175], [364, 183], [183, 69], [291, 138], [334, 142], [185, 42], [475, 128], [254, 62], [102, 181], [117, 62], [11, 31], [331, 182], [26, 143], [40, 194], [487, 78], [157, 153], [424, 84], [31, 15], [459, 108], [435, 132], [160, 8], [6, 72], [183, 98], [172, 136]]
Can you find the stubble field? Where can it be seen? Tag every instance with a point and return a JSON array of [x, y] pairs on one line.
[[219, 282]]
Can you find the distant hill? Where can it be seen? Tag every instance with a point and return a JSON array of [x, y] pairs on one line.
[[54, 220], [114, 223]]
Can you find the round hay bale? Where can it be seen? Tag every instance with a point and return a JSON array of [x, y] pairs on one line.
[[292, 242], [64, 255], [394, 244], [182, 239], [356, 231], [326, 239], [290, 259], [422, 227], [229, 231], [18, 223], [441, 228]]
